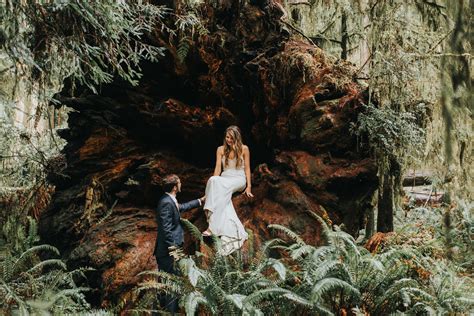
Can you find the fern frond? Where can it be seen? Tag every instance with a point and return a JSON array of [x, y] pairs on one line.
[[421, 308], [32, 236], [193, 230], [288, 232], [252, 282], [328, 285], [236, 300], [27, 254], [348, 242], [192, 301], [301, 251], [333, 268], [394, 255], [277, 265], [372, 264], [268, 293], [7, 268], [163, 287], [161, 274], [191, 270], [216, 245], [47, 304], [293, 297], [271, 244], [183, 48], [369, 271], [46, 263], [420, 295], [325, 229], [391, 297], [201, 30], [322, 252]]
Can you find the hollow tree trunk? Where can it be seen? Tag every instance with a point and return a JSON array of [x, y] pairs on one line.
[[293, 104]]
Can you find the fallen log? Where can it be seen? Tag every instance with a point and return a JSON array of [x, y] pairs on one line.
[[417, 178]]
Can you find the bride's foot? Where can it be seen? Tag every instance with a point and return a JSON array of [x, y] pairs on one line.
[[207, 233]]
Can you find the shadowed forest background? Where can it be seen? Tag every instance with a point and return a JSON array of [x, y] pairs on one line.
[[358, 115]]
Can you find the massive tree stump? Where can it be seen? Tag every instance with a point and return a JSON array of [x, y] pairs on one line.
[[293, 103]]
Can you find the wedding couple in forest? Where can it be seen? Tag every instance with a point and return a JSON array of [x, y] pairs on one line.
[[231, 174]]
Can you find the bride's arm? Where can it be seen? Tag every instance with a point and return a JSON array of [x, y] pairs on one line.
[[248, 176], [217, 169]]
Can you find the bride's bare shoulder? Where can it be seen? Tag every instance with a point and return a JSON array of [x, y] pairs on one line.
[[245, 148], [220, 149]]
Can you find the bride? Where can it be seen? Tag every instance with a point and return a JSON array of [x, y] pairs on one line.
[[234, 158]]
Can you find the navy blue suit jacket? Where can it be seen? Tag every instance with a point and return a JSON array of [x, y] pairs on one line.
[[170, 232]]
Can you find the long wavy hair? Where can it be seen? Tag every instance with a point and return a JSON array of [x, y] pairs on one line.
[[236, 147]]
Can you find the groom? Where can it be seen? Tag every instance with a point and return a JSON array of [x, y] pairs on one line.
[[170, 233]]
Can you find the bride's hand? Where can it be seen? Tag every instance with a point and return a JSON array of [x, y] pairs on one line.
[[248, 193]]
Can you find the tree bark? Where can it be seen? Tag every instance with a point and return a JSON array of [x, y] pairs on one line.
[[387, 194], [385, 205], [345, 36]]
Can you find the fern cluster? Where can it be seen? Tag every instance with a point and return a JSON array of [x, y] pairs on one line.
[[339, 275], [226, 285], [335, 277], [31, 279], [444, 231]]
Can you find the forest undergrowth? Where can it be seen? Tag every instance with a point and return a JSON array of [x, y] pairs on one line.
[[423, 267]]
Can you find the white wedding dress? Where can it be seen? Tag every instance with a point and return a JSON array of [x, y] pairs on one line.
[[223, 220]]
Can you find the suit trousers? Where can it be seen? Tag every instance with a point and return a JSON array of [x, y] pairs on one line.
[[168, 302]]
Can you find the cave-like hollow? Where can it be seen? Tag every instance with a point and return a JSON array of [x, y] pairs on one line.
[[293, 103]]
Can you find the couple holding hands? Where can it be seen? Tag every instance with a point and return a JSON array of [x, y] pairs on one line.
[[231, 174]]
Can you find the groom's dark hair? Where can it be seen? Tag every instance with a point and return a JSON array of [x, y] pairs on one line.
[[169, 182]]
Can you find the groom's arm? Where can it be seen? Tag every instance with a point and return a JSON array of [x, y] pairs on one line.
[[189, 205]]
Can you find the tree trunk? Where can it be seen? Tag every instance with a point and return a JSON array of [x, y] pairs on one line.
[[344, 36], [370, 224], [389, 191], [385, 205]]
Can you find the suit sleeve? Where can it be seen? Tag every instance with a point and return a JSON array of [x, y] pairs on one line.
[[189, 205], [165, 214]]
